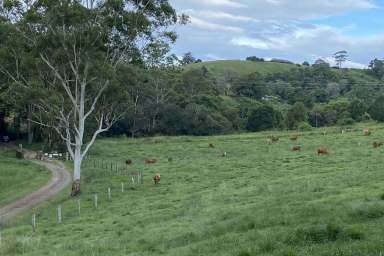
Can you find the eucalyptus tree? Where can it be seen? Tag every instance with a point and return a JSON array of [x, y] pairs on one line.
[[79, 47]]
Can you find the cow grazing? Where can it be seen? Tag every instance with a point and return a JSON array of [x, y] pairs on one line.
[[128, 162], [156, 179], [377, 144], [367, 132], [274, 139], [322, 151], [294, 138], [150, 161], [296, 148], [211, 145]]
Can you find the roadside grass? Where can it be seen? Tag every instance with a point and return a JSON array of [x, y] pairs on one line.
[[19, 177], [258, 200]]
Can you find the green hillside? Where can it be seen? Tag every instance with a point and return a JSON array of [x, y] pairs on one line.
[[224, 67], [258, 200], [242, 67]]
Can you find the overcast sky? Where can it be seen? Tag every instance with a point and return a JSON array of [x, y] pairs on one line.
[[296, 30]]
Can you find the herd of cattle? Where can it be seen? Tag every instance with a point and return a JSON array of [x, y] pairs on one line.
[[322, 150], [270, 140]]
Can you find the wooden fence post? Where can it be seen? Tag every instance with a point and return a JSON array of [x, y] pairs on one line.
[[59, 214], [34, 222], [122, 187], [79, 206], [109, 194], [95, 200]]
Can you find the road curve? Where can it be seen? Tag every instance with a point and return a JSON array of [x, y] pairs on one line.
[[61, 178]]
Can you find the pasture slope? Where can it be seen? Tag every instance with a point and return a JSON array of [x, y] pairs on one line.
[[19, 177], [258, 200]]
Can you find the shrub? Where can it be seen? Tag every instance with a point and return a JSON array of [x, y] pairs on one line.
[[264, 118], [304, 126], [346, 121], [355, 233], [19, 154], [369, 212]]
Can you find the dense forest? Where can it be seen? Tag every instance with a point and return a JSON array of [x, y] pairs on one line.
[[193, 100], [164, 95]]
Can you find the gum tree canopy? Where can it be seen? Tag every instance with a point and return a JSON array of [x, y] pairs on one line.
[[66, 54]]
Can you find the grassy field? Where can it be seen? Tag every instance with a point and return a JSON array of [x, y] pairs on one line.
[[18, 177], [258, 200]]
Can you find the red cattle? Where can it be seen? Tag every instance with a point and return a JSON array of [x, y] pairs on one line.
[[156, 179], [150, 161], [322, 151], [296, 148], [377, 144]]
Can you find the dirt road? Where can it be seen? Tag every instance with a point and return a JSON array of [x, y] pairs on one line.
[[61, 178]]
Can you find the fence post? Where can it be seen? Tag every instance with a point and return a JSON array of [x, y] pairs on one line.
[[34, 222], [95, 201], [59, 214], [0, 232], [79, 206], [122, 187], [109, 194]]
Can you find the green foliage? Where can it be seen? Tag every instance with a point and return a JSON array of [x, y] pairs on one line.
[[264, 118], [296, 114], [376, 110], [377, 68], [357, 109]]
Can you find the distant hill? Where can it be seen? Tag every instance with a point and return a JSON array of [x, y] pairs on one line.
[[242, 67]]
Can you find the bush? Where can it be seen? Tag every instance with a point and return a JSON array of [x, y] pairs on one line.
[[346, 121], [369, 212], [304, 126], [264, 118], [19, 154], [355, 233], [376, 110]]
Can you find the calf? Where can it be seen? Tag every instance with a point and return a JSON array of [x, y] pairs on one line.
[[322, 151], [156, 179], [367, 132], [296, 148], [128, 162], [150, 161], [274, 139]]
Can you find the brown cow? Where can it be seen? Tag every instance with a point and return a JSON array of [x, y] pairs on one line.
[[377, 144], [296, 148], [322, 151], [367, 132], [150, 161], [128, 162], [156, 179], [274, 139], [211, 145]]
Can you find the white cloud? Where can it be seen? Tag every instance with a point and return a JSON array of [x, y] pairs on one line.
[[274, 28], [203, 24], [225, 3], [218, 15]]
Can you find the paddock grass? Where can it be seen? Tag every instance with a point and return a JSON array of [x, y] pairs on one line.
[[259, 200], [19, 177]]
